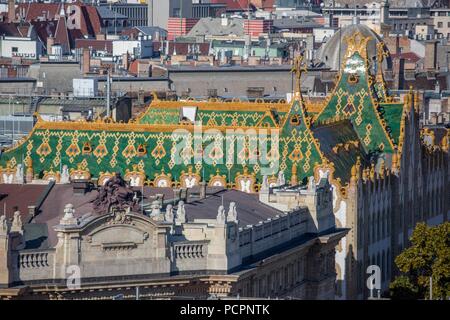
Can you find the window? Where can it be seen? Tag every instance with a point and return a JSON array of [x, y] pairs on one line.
[[440, 24], [448, 24], [14, 49]]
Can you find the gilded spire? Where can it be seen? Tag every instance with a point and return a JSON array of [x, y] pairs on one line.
[[294, 179], [372, 172], [29, 173], [394, 161], [297, 69], [444, 143], [382, 167], [357, 42], [354, 173]]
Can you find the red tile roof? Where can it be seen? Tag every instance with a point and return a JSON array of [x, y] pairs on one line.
[[62, 35], [409, 56], [100, 45], [90, 23]]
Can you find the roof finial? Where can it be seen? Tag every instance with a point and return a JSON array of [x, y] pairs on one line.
[[298, 68], [444, 143], [354, 173], [394, 161]]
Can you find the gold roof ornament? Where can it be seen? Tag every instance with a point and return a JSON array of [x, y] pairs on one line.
[[294, 178], [298, 68], [444, 143], [382, 53], [382, 167], [394, 161], [357, 42], [354, 173], [372, 172]]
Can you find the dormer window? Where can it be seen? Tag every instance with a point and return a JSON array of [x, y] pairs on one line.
[[295, 120], [353, 78], [188, 114]]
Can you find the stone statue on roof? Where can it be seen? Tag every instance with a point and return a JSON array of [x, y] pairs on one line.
[[19, 174], [115, 194]]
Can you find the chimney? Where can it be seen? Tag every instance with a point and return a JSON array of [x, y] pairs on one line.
[[125, 60], [430, 55], [100, 36], [397, 45], [11, 11], [86, 60], [399, 73], [50, 43], [202, 190]]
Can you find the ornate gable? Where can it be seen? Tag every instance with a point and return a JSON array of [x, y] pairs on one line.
[[355, 97]]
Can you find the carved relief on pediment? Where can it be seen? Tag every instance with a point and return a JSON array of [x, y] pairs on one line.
[[118, 216], [118, 230]]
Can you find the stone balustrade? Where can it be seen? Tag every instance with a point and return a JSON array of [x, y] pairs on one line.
[[34, 259], [190, 250]]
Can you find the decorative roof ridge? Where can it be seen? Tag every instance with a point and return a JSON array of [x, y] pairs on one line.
[[375, 105], [331, 122], [108, 124], [216, 104]]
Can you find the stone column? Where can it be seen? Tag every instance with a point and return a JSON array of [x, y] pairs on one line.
[[5, 253], [66, 253]]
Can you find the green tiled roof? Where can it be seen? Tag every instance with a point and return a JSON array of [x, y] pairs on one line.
[[354, 98], [355, 122], [340, 144]]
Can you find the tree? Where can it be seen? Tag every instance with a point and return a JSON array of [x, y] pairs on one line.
[[428, 256]]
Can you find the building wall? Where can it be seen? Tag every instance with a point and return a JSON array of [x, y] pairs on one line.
[[25, 47], [125, 85], [122, 245], [55, 78], [382, 210], [142, 48], [163, 9], [137, 13], [441, 22], [274, 82]]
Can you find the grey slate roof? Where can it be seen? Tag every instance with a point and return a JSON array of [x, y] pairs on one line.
[[249, 209], [213, 26], [392, 3], [105, 13], [151, 30], [294, 23]]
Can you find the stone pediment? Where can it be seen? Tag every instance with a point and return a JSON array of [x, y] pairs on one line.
[[120, 240]]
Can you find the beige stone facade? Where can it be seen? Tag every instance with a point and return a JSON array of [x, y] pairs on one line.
[[168, 256]]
